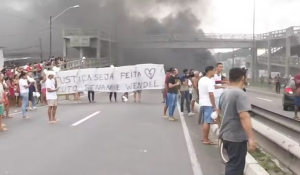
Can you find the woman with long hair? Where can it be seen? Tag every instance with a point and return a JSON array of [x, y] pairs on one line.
[[17, 90]]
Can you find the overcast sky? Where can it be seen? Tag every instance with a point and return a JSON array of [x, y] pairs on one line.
[[217, 16]]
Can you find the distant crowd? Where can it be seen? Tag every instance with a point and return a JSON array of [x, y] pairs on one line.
[[11, 91]]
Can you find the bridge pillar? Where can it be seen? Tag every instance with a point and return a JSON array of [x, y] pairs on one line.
[[98, 48], [254, 65], [269, 54], [65, 48], [80, 52], [120, 58], [287, 56]]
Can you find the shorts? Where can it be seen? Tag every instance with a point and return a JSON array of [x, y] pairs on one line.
[[138, 91], [30, 97], [52, 102], [297, 100], [44, 91], [206, 112], [1, 109]]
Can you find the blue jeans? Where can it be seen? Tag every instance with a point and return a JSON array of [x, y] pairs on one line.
[[25, 99], [185, 95], [172, 103]]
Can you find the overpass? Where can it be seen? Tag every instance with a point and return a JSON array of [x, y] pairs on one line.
[[102, 44]]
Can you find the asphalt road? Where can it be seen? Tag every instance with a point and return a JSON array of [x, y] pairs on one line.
[[107, 139], [269, 102]]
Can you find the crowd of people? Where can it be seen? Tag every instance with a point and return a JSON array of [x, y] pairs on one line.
[[223, 102], [20, 85]]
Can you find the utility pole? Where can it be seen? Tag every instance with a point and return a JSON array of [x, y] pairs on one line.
[[41, 49], [50, 37], [233, 58], [253, 68]]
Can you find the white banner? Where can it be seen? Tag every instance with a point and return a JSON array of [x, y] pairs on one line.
[[116, 79]]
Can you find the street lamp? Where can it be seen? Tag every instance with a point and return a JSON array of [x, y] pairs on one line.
[[52, 19], [253, 69]]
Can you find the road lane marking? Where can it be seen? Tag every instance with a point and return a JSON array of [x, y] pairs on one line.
[[62, 101], [190, 146], [86, 118], [264, 99]]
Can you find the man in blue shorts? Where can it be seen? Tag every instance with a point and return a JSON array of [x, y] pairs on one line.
[[206, 87]]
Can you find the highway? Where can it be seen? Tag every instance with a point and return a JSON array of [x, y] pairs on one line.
[[269, 102], [108, 139]]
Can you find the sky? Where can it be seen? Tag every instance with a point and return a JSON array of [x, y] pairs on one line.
[[217, 16]]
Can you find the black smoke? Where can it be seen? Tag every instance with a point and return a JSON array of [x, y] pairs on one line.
[[118, 18]]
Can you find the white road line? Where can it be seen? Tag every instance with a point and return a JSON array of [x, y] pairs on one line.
[[264, 99], [85, 119], [190, 146], [62, 101]]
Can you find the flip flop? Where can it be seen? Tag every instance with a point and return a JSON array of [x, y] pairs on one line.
[[209, 143], [297, 118], [3, 129]]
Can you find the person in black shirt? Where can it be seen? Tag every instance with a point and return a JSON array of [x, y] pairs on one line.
[[173, 87]]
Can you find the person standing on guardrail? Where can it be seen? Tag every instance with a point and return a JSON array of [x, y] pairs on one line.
[[236, 128], [297, 95]]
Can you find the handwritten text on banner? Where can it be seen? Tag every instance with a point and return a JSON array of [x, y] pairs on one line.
[[117, 79]]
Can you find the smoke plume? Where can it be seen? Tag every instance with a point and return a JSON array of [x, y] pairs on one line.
[[126, 18]]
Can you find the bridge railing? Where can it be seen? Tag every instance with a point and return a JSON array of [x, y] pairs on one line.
[[278, 60], [88, 63]]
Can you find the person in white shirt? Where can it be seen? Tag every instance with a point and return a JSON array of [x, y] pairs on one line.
[[24, 92], [51, 96], [207, 102], [219, 88]]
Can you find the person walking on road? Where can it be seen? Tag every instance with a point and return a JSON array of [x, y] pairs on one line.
[[173, 90], [236, 128], [24, 92], [297, 95], [185, 94], [277, 83], [207, 102], [51, 95]]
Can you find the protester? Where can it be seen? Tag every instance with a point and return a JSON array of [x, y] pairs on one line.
[[173, 90], [137, 93], [17, 90], [24, 90], [184, 92], [110, 96], [51, 95], [91, 93], [43, 89], [195, 91], [2, 125], [32, 90], [166, 92], [297, 95], [207, 102], [236, 129]]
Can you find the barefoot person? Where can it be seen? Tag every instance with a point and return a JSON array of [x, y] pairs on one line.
[[297, 95], [51, 95], [207, 100]]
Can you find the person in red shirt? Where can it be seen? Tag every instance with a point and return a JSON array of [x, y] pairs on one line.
[[29, 68], [166, 91], [297, 95]]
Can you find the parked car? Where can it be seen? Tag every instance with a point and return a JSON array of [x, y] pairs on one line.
[[288, 95]]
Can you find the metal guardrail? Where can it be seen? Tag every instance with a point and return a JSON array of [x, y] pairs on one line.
[[88, 63], [278, 135], [294, 61]]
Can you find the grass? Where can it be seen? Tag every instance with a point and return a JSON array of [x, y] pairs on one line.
[[266, 162]]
